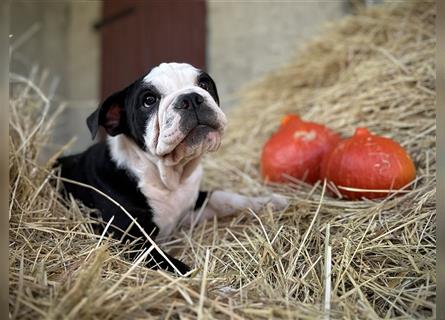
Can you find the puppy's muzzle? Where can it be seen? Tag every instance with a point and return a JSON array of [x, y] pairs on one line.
[[190, 100], [193, 124], [194, 111]]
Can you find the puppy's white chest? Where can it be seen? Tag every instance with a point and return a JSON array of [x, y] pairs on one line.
[[169, 206]]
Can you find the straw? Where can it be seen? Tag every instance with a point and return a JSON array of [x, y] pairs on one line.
[[321, 257]]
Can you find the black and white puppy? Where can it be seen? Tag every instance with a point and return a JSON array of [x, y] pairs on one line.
[[158, 129]]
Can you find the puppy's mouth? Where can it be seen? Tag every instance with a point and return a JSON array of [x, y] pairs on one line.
[[202, 138], [200, 133]]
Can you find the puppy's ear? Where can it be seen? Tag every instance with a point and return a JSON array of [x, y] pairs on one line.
[[215, 91], [110, 115], [212, 88]]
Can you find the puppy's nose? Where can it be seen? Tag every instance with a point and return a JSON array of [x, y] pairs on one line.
[[189, 100]]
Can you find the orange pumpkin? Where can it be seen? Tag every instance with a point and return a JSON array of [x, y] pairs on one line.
[[367, 161], [296, 149]]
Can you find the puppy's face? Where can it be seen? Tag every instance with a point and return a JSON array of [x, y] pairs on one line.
[[172, 113]]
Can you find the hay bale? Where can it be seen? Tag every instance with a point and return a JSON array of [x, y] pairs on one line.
[[321, 255]]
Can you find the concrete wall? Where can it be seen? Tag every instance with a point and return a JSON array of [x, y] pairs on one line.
[[249, 38], [38, 37], [58, 38], [83, 70]]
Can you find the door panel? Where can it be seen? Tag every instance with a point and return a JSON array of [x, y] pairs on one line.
[[139, 34]]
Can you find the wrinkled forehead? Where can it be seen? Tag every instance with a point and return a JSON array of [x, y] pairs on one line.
[[171, 77]]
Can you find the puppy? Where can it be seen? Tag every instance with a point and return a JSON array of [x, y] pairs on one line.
[[158, 129]]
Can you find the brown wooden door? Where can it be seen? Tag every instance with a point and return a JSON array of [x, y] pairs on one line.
[[139, 34]]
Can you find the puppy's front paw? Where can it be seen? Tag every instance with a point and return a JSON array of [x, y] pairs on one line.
[[278, 202], [182, 267], [156, 261], [275, 201]]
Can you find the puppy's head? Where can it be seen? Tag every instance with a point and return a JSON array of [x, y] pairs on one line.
[[172, 113]]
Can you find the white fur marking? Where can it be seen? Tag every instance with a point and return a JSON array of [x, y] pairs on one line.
[[168, 205], [225, 203]]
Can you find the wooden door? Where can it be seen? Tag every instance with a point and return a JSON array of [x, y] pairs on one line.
[[139, 34]]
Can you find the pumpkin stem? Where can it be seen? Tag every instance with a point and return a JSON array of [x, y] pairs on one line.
[[288, 118], [362, 132]]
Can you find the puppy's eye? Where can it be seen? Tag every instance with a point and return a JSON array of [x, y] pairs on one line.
[[204, 84], [150, 99]]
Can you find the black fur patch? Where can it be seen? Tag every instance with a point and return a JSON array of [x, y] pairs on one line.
[[96, 168]]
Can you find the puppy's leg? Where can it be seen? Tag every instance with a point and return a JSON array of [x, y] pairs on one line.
[[155, 260], [224, 203]]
